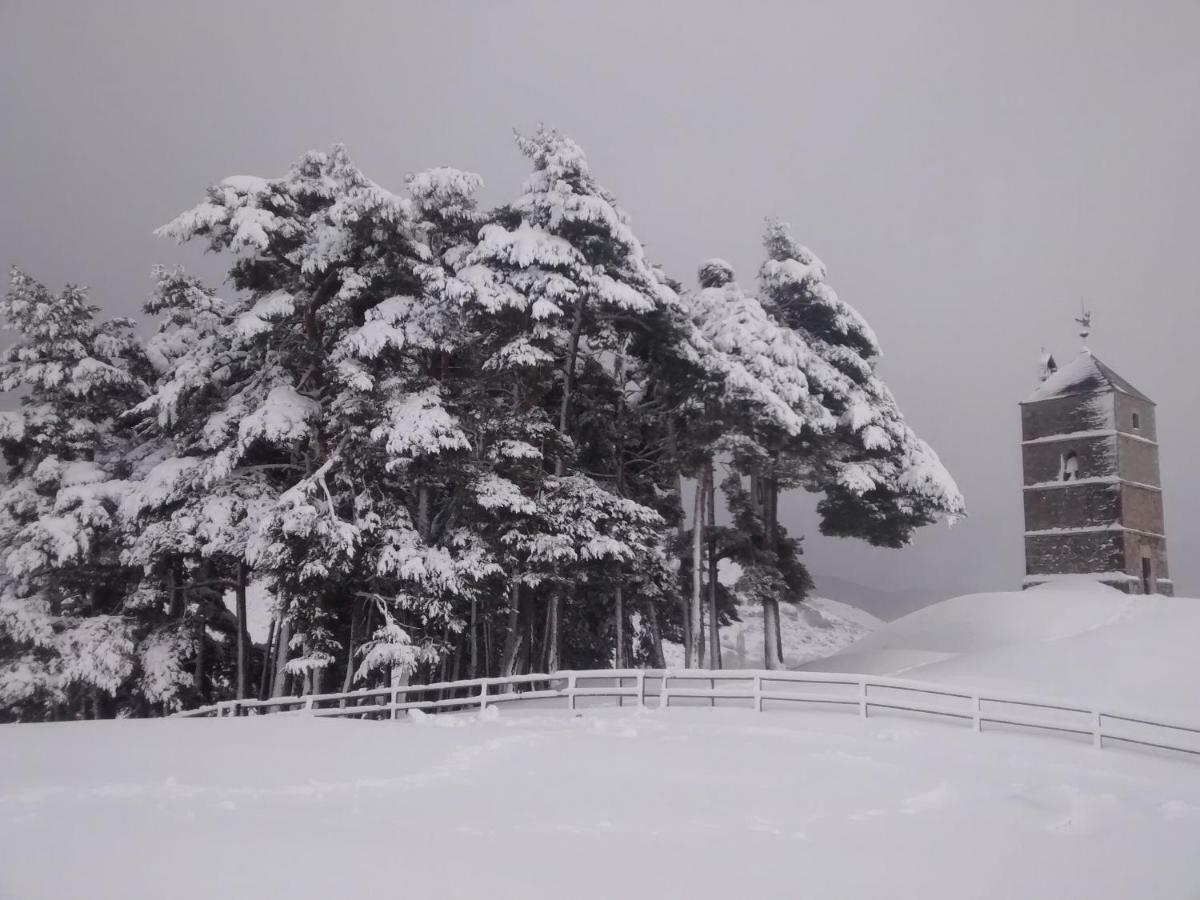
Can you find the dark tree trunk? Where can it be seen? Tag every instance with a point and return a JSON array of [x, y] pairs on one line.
[[696, 660], [351, 645], [279, 680], [516, 633], [714, 625], [772, 640], [264, 687], [473, 639], [619, 658], [243, 636], [657, 659]]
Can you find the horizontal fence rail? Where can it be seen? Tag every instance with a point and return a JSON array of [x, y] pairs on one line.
[[754, 689]]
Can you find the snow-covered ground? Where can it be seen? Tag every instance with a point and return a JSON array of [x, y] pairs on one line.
[[692, 802], [1074, 640], [810, 631]]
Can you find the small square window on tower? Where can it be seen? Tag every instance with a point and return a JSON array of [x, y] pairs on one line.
[[1137, 422]]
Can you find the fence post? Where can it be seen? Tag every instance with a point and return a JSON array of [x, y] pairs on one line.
[[308, 704], [395, 701], [1097, 734], [664, 699], [571, 691], [976, 720], [641, 679], [483, 695], [757, 693], [862, 697]]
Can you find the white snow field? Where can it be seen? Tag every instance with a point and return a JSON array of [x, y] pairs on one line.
[[689, 802], [1072, 639]]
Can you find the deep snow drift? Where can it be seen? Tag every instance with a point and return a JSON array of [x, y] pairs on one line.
[[690, 802], [1075, 639]]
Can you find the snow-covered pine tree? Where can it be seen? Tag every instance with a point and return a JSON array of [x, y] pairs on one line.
[[560, 289], [67, 632], [764, 396], [189, 518], [346, 406], [879, 480]]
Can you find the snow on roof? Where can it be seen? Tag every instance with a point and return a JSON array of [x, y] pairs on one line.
[[1085, 374]]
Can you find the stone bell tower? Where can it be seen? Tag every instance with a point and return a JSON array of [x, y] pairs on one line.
[[1093, 499]]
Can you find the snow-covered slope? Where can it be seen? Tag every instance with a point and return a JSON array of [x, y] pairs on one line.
[[810, 630], [695, 803], [1073, 639]]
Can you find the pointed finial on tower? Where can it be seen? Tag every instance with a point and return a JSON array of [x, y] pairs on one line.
[[1085, 324]]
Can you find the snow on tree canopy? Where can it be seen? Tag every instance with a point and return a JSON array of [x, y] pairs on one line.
[[795, 280], [285, 416]]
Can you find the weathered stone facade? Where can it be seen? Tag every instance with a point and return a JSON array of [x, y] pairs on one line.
[[1092, 494]]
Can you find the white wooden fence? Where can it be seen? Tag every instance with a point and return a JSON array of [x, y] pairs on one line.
[[756, 689]]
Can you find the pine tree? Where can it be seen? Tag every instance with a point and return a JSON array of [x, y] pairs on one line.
[[67, 630], [880, 481], [560, 285], [344, 404], [763, 406]]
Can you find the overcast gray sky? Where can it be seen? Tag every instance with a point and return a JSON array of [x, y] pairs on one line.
[[967, 171]]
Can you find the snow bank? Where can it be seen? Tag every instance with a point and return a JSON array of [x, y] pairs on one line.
[[1074, 639]]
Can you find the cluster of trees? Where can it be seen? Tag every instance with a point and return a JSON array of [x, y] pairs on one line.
[[444, 441]]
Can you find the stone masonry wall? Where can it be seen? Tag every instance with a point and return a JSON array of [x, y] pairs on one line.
[[1066, 554], [1137, 460], [1064, 415], [1142, 509], [1078, 506], [1126, 406], [1042, 462]]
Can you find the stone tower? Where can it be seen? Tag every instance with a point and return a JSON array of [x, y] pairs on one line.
[[1093, 500]]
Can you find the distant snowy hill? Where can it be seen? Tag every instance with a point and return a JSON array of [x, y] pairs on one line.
[[1075, 639], [810, 630], [882, 604]]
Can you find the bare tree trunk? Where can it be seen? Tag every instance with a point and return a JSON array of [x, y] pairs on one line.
[[279, 682], [487, 642], [553, 627], [696, 660], [714, 625], [423, 517], [201, 654], [355, 615], [473, 669], [772, 640], [264, 685], [619, 632], [657, 659], [175, 586], [243, 636], [515, 636]]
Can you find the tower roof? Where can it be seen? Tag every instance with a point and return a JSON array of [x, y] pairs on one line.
[[1085, 374]]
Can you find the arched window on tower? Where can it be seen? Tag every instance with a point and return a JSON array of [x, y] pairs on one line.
[[1070, 466]]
